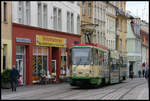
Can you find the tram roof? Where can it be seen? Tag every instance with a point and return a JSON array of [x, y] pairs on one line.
[[91, 46]]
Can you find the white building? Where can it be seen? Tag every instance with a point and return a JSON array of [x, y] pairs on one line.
[[61, 16], [111, 26], [99, 17]]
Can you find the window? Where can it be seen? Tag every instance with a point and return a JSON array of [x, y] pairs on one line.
[[4, 57], [39, 15], [83, 8], [95, 56], [55, 18], [45, 16], [121, 5], [40, 63], [101, 58], [81, 56], [78, 3], [28, 12], [120, 25], [5, 12], [72, 23], [78, 24], [95, 10], [120, 45], [59, 20], [68, 22], [20, 12], [105, 59], [89, 10]]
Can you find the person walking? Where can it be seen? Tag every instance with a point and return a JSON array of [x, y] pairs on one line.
[[14, 75], [147, 76], [143, 72], [139, 72]]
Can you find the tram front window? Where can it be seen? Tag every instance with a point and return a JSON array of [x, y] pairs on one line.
[[81, 56]]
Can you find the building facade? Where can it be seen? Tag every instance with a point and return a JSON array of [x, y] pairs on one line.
[[111, 26], [122, 28], [134, 46], [42, 33], [6, 37], [55, 15], [145, 47], [99, 17], [86, 14]]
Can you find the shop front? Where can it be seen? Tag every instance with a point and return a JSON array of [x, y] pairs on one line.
[[39, 51]]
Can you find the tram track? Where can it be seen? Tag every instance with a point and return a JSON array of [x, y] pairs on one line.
[[105, 89], [134, 85]]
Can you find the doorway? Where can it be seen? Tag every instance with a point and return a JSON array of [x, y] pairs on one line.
[[20, 63], [55, 54], [131, 67]]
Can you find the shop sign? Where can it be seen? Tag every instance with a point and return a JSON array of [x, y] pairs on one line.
[[50, 41], [24, 40]]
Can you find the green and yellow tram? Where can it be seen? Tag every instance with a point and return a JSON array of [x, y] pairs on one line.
[[93, 64]]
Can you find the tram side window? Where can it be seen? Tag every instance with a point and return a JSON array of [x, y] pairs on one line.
[[101, 58], [95, 57], [105, 59]]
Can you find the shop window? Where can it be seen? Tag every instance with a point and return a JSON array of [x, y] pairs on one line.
[[4, 62], [40, 55], [4, 57], [63, 61]]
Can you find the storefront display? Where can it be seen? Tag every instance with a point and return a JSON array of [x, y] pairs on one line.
[[40, 55]]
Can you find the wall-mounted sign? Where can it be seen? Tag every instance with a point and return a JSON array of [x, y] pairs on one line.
[[24, 40], [50, 41]]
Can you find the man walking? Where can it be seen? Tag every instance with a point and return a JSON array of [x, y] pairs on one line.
[[14, 75], [139, 72]]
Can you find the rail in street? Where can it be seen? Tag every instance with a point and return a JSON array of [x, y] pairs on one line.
[[129, 89]]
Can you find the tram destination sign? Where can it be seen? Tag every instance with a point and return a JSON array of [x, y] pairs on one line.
[[24, 40]]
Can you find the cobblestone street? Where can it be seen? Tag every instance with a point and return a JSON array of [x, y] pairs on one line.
[[129, 89]]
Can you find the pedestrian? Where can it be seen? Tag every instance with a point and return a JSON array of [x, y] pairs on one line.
[[139, 72], [147, 76], [132, 74], [143, 72], [14, 75]]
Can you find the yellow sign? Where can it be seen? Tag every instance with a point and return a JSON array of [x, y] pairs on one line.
[[50, 41]]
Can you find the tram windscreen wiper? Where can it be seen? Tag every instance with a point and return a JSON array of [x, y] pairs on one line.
[[79, 61]]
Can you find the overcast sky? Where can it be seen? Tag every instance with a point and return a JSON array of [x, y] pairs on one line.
[[139, 8]]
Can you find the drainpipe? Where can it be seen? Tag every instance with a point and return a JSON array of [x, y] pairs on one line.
[[116, 30]]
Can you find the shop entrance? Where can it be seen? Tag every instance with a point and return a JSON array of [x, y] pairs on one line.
[[55, 54], [20, 63]]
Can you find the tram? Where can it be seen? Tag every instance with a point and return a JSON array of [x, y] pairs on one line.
[[93, 64]]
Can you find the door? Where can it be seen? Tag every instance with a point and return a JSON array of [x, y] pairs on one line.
[[54, 68], [20, 62], [19, 65]]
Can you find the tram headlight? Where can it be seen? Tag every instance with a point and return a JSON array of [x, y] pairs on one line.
[[86, 74], [74, 74]]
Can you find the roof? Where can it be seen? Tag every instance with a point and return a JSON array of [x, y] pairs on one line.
[[91, 45]]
